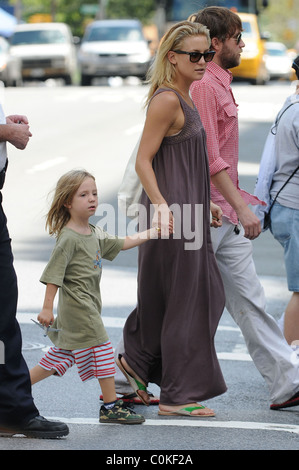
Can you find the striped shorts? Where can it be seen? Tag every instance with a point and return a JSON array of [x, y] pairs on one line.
[[95, 362]]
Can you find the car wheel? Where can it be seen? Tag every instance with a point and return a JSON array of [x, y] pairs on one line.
[[85, 80], [68, 80]]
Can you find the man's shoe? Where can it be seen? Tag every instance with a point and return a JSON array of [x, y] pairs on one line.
[[38, 428], [293, 401], [120, 414]]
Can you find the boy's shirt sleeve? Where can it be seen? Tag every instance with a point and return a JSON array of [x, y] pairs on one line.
[[110, 245], [54, 272]]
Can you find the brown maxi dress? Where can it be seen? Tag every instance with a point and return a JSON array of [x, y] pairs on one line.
[[169, 337]]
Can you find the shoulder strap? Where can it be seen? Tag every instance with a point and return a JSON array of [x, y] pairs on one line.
[[285, 183], [279, 116]]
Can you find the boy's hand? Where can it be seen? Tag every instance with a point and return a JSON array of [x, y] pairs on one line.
[[46, 317]]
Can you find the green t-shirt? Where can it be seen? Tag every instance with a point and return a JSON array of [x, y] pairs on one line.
[[76, 267]]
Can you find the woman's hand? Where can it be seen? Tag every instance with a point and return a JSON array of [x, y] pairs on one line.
[[216, 212], [163, 220]]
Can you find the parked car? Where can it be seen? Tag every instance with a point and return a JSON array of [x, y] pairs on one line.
[[10, 67], [278, 61], [252, 67], [113, 48], [47, 50]]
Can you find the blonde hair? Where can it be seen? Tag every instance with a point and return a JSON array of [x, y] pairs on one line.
[[162, 72], [67, 185]]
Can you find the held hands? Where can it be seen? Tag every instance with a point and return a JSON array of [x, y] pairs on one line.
[[19, 133], [163, 220]]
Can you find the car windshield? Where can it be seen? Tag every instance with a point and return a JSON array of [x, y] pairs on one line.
[[118, 33], [38, 37], [248, 31], [276, 52]]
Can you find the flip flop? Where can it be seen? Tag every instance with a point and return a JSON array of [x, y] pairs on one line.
[[135, 384], [136, 400], [187, 412]]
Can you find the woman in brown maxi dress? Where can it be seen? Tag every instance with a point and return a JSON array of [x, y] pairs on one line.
[[169, 337]]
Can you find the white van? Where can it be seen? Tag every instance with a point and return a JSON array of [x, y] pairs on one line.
[[113, 48], [47, 50]]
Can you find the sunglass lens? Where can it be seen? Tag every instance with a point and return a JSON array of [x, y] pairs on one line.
[[208, 56], [195, 57]]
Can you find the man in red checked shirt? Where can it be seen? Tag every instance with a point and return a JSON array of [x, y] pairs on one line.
[[245, 298]]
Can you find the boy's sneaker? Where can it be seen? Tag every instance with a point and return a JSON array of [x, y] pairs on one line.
[[120, 414]]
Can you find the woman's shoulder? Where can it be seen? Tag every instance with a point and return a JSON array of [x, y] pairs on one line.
[[166, 98]]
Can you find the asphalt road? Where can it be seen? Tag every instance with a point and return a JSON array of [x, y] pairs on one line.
[[97, 127]]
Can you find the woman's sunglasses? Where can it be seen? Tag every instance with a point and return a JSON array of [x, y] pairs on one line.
[[196, 56]]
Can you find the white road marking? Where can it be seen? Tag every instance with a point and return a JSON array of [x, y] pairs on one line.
[[195, 422], [46, 165], [118, 322], [111, 322]]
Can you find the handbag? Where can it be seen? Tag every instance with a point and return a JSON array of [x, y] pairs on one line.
[[130, 190]]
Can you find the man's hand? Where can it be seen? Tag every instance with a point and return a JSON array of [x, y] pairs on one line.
[[250, 223], [18, 133]]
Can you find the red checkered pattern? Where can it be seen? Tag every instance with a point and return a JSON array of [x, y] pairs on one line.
[[218, 110]]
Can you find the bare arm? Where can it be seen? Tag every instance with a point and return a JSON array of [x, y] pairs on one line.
[[139, 238], [164, 117], [248, 219], [46, 316]]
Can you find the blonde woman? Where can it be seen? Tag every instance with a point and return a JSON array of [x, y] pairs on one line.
[[75, 268], [169, 337]]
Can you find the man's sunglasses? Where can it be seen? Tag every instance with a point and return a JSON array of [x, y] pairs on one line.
[[238, 38], [196, 56]]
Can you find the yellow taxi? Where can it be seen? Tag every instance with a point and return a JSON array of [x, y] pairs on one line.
[[252, 67]]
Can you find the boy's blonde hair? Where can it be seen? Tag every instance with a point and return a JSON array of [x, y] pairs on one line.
[[58, 215], [162, 72]]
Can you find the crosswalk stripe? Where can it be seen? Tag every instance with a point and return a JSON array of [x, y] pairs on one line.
[[109, 322], [196, 422], [118, 322]]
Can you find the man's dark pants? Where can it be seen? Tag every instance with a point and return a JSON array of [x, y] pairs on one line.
[[16, 402]]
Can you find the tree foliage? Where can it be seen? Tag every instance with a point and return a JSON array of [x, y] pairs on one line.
[[280, 19], [72, 11], [141, 9]]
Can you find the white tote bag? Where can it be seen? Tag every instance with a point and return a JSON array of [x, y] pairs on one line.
[[131, 188]]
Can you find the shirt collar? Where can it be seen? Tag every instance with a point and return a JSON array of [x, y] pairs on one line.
[[223, 75]]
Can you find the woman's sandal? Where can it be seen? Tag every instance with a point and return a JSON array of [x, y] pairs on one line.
[[187, 411], [135, 384]]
